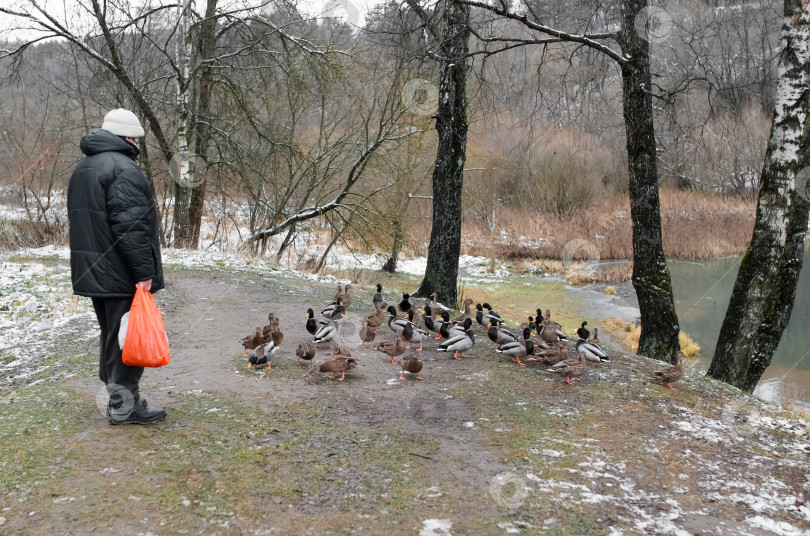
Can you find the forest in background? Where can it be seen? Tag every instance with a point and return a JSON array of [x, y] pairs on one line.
[[295, 103]]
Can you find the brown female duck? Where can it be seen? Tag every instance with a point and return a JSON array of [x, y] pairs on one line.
[[411, 364]]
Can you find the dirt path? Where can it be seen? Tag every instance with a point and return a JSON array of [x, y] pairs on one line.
[[207, 315]]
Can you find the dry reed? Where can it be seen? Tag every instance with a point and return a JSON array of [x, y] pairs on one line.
[[695, 227], [627, 334]]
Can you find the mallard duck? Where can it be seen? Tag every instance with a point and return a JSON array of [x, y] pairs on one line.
[[378, 299], [374, 321], [330, 309], [341, 352], [459, 343], [551, 357], [430, 320], [411, 364], [454, 329], [518, 349], [334, 365], [499, 335], [547, 332], [539, 343], [397, 325], [312, 326], [530, 324], [413, 334], [366, 335], [277, 336], [436, 306], [267, 331], [466, 314], [326, 333], [392, 348], [306, 351], [445, 325], [252, 341], [485, 319], [405, 304], [433, 306], [263, 354], [595, 338], [671, 374], [591, 352], [346, 300], [582, 331], [490, 312], [338, 295], [555, 325], [571, 368]]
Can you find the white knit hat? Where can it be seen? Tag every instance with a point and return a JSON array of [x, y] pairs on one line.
[[122, 122]]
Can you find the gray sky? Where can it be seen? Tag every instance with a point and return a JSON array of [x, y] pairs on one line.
[[78, 20]]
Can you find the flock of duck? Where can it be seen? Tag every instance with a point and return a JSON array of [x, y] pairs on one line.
[[539, 340]]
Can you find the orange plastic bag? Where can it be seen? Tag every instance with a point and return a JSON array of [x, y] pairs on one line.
[[146, 344]]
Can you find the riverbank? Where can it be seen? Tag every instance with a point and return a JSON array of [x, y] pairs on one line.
[[480, 446]]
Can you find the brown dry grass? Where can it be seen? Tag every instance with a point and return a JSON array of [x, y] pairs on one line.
[[31, 234], [580, 274], [627, 334], [695, 227]]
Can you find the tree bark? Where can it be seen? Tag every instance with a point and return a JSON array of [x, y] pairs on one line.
[[185, 170], [765, 289], [441, 273], [651, 278], [207, 47]]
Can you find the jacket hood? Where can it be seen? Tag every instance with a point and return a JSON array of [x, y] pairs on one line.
[[101, 141]]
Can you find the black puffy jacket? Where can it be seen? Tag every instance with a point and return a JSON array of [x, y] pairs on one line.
[[114, 237]]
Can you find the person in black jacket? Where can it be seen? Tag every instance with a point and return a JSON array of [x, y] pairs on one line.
[[114, 246]]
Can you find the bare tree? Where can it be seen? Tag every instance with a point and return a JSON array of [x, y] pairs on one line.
[[651, 278], [447, 30]]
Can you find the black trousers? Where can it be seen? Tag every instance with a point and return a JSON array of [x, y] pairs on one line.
[[111, 369]]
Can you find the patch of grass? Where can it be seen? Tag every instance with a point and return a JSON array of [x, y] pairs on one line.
[[211, 461], [34, 424], [518, 298], [296, 454], [47, 260]]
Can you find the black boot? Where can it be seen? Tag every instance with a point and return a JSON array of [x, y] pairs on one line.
[[141, 414]]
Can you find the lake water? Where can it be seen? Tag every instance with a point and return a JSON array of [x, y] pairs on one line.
[[702, 291]]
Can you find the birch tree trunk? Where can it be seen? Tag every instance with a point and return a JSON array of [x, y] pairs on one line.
[[765, 289], [651, 278], [441, 273], [182, 159]]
